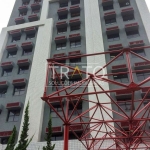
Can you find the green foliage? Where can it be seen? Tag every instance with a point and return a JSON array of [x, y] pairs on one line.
[[49, 135], [24, 142], [11, 141]]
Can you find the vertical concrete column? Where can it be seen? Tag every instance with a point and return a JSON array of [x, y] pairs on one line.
[[37, 80]]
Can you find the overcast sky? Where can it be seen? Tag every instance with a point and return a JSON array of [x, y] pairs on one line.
[[6, 7]]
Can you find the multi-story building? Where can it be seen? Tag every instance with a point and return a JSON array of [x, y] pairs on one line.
[[45, 29]]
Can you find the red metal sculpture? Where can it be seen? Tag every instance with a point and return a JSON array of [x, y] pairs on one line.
[[121, 129]]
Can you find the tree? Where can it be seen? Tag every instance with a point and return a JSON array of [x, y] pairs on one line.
[[24, 142], [49, 135], [11, 140]]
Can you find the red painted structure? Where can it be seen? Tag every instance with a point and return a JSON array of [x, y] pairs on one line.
[[127, 131]]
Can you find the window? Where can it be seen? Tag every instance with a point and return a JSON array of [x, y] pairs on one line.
[[19, 90], [12, 54], [30, 36], [35, 11], [61, 30], [75, 14], [75, 28], [75, 61], [143, 76], [61, 62], [78, 109], [13, 115], [76, 43], [108, 7], [60, 46], [23, 14], [72, 136], [126, 106], [123, 78], [27, 52], [132, 34], [25, 3], [113, 55], [7, 72], [128, 17], [3, 92], [23, 69], [63, 4], [58, 109], [37, 1], [75, 80], [61, 17], [124, 3], [113, 37], [57, 137], [16, 38], [110, 21], [140, 52], [74, 2], [4, 140]]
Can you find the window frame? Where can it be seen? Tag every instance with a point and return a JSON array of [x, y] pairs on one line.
[[64, 30], [135, 33], [63, 18], [10, 54], [121, 78], [5, 73], [110, 19], [20, 90], [75, 2], [75, 43], [61, 46], [117, 38], [13, 114], [23, 69], [27, 52], [108, 7], [75, 28]]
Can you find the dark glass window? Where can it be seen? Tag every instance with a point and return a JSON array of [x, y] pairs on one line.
[[143, 76], [23, 69], [76, 43], [126, 106], [113, 55], [16, 38], [65, 4], [124, 3], [132, 34], [23, 14], [72, 136], [35, 11], [75, 61], [78, 109], [12, 54], [61, 17], [19, 90], [75, 14], [4, 140], [7, 72], [61, 30], [108, 7], [60, 46], [58, 109], [75, 28], [57, 137], [13, 115], [37, 1], [3, 92], [74, 2], [30, 36], [140, 52], [128, 17], [25, 3], [110, 21], [113, 37], [27, 52], [121, 78]]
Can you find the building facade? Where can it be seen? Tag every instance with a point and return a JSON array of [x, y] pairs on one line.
[[44, 29]]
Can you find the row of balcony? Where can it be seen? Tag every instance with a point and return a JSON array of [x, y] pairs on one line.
[[128, 27], [64, 24], [55, 130], [73, 9], [35, 6], [31, 18], [72, 37]]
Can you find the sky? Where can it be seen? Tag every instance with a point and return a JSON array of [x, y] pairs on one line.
[[6, 7]]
